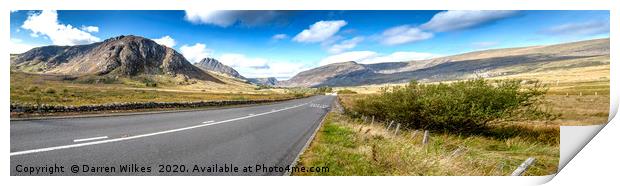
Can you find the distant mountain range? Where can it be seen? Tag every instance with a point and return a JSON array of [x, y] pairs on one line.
[[214, 65], [135, 56], [271, 81], [487, 63]]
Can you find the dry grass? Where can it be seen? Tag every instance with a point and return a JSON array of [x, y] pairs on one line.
[[350, 147], [53, 90]]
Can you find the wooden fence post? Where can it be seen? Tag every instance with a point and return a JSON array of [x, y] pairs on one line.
[[397, 127], [426, 136], [365, 119], [414, 133], [457, 152], [523, 167], [373, 120], [388, 128]]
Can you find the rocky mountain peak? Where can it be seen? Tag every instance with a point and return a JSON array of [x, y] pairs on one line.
[[212, 64]]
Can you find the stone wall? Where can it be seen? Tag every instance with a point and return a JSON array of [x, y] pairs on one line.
[[16, 108]]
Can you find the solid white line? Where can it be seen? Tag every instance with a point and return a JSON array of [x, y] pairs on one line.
[[210, 121], [90, 139], [139, 136]]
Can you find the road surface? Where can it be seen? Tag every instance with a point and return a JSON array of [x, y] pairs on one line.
[[266, 138]]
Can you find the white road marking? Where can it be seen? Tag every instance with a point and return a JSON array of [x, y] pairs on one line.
[[250, 114], [139, 136], [90, 139], [210, 121]]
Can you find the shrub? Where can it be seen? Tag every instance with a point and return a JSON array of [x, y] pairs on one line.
[[50, 90], [346, 91], [33, 89], [150, 84], [458, 107], [324, 89]]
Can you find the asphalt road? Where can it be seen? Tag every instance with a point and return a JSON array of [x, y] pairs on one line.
[[266, 138]]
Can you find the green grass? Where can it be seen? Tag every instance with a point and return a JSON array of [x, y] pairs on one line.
[[349, 147]]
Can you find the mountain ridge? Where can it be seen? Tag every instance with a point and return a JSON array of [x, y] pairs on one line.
[[486, 63]]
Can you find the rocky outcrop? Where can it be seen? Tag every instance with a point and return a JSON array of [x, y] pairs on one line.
[[118, 56], [212, 64]]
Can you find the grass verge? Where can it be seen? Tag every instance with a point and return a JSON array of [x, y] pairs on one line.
[[350, 147]]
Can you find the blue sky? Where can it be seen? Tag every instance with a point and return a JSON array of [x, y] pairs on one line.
[[283, 43]]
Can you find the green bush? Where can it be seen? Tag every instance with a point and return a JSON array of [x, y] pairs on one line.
[[33, 89], [458, 107], [346, 91], [50, 90], [150, 84], [324, 89]]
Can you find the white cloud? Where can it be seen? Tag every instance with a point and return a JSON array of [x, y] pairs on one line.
[[461, 19], [46, 23], [260, 67], [90, 28], [195, 53], [279, 36], [403, 34], [226, 18], [319, 31], [583, 28], [17, 46], [166, 41], [345, 45], [240, 60], [279, 70], [370, 57], [348, 56]]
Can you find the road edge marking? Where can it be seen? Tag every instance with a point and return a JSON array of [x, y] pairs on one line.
[[303, 149], [90, 139]]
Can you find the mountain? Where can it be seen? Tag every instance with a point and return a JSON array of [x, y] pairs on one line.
[[487, 63], [118, 56], [345, 73], [271, 81], [214, 65]]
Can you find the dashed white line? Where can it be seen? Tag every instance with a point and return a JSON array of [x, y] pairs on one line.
[[140, 136], [90, 139], [210, 121]]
